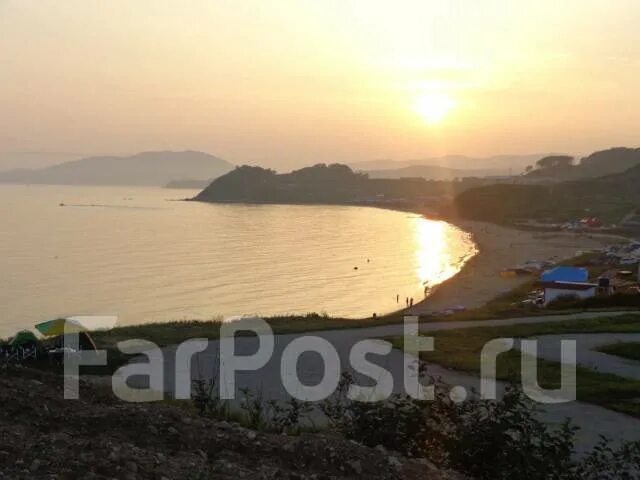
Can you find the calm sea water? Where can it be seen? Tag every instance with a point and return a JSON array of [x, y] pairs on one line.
[[136, 253]]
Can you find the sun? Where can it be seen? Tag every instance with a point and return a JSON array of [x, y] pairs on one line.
[[434, 107]]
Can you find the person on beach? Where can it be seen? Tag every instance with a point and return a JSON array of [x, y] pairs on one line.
[[411, 302], [397, 298], [406, 300]]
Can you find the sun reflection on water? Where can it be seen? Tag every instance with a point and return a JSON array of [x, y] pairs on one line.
[[439, 253]]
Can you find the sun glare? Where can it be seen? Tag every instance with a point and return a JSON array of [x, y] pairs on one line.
[[434, 107]]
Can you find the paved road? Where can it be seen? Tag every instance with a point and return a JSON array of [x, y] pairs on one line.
[[587, 354], [593, 420]]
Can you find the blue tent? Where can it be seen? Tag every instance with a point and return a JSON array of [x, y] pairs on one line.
[[566, 274]]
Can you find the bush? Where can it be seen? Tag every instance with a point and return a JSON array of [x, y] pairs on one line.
[[486, 440], [255, 412], [612, 301]]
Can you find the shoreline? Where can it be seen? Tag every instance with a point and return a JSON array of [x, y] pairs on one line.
[[500, 247], [477, 282]]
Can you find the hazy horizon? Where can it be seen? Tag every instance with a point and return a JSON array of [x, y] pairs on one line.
[[292, 83], [10, 161]]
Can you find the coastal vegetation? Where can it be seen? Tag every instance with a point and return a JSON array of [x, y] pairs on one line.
[[488, 440], [325, 184], [201, 438], [606, 187], [481, 439], [598, 164], [609, 197]]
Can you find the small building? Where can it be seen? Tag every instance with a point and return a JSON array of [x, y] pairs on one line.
[[567, 282], [555, 290]]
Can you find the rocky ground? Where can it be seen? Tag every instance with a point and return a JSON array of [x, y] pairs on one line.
[[43, 436]]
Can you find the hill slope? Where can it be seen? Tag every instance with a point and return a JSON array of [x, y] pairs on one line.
[[99, 437], [609, 197], [148, 168], [598, 164], [326, 184]]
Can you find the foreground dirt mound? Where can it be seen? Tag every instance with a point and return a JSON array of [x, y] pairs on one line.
[[44, 436]]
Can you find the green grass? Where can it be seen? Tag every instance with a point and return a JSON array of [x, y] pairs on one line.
[[629, 350], [461, 349], [162, 334], [171, 333]]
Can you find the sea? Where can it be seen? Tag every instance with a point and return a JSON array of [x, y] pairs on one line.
[[146, 255]]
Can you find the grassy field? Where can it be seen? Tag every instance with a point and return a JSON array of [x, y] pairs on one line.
[[171, 333], [629, 350], [460, 350]]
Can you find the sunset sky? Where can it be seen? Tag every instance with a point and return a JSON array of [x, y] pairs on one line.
[[285, 83]]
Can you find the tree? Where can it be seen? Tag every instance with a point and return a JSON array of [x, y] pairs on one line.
[[555, 161]]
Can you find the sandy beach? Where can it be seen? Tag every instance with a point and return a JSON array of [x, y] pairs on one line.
[[501, 248]]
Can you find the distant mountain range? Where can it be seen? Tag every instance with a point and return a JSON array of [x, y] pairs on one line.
[[193, 170], [147, 169], [548, 168], [448, 167]]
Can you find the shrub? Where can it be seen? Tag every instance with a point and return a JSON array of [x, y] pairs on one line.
[[255, 412], [490, 440], [611, 301], [486, 440]]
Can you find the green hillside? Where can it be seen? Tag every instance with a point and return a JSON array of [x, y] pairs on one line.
[[598, 164], [327, 184], [610, 197]]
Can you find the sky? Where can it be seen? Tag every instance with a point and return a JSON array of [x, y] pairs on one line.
[[286, 83]]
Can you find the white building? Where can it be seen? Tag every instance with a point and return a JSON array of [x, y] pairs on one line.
[[555, 290]]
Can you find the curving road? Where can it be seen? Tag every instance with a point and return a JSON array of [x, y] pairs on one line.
[[587, 355], [593, 420]]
